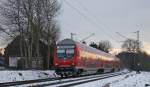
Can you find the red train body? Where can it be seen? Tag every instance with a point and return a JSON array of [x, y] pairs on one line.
[[71, 58]]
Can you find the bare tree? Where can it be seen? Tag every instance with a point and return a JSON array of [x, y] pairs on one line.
[[51, 28], [29, 19], [50, 37], [12, 23], [131, 45], [104, 46]]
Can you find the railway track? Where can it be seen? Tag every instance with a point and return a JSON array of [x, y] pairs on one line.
[[61, 82]]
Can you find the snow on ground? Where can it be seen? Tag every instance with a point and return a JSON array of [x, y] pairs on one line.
[[136, 80], [11, 76], [132, 79], [129, 80]]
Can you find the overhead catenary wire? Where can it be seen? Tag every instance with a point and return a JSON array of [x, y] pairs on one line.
[[94, 17], [67, 31], [87, 37], [89, 20], [122, 35], [125, 37]]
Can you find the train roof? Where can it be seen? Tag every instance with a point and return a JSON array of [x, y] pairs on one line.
[[84, 47], [67, 42]]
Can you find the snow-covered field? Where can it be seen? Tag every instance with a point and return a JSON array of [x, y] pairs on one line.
[[129, 80], [11, 76]]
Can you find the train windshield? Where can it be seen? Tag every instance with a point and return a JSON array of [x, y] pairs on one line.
[[65, 52]]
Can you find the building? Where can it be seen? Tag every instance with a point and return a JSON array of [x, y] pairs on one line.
[[12, 56]]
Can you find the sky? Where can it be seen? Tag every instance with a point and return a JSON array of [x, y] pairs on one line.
[[105, 18]]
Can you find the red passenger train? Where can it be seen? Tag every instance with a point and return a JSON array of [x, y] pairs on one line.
[[73, 58]]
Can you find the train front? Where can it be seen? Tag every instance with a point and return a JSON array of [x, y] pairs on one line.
[[65, 57]]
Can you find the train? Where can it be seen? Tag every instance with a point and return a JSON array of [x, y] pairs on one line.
[[75, 58]]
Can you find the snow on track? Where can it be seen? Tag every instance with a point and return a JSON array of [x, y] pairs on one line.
[[132, 79], [129, 80], [60, 82], [101, 83]]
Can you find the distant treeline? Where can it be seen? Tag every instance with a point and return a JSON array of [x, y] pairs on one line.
[[135, 61]]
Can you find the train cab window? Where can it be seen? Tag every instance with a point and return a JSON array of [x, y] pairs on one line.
[[65, 53], [69, 52], [61, 53]]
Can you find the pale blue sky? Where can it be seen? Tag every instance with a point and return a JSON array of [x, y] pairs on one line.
[[110, 16]]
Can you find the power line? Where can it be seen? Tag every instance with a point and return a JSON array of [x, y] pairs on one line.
[[94, 17], [122, 35], [87, 37], [87, 18]]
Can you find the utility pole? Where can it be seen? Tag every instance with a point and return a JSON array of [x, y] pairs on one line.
[[138, 49], [72, 34], [138, 41]]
